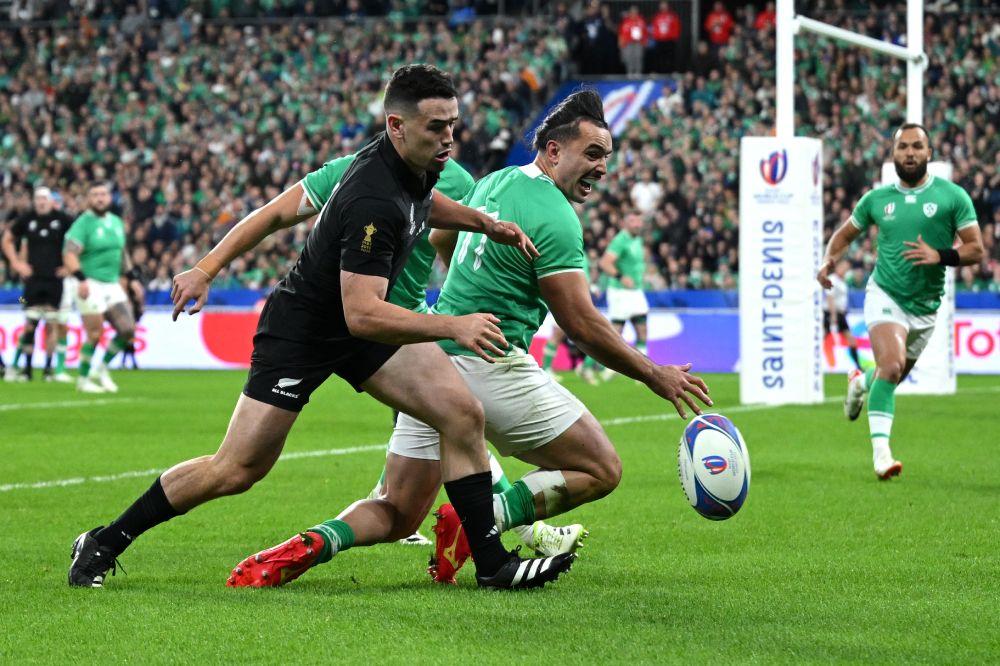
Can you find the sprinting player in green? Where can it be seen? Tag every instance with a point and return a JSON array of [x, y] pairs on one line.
[[624, 262], [917, 221], [410, 292], [94, 254], [528, 415]]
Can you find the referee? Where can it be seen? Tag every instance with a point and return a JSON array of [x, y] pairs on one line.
[[329, 316], [835, 311], [42, 229]]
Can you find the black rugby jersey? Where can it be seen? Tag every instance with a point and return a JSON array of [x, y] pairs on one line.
[[44, 234], [368, 226]]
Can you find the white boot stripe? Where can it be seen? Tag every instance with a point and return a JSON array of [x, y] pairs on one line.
[[520, 573], [546, 565], [533, 569]]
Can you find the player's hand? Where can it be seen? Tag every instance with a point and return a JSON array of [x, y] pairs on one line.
[[823, 276], [628, 282], [23, 269], [62, 272], [191, 285], [921, 254], [480, 333], [83, 290], [677, 385], [509, 233]]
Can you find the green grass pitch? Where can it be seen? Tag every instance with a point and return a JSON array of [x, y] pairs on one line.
[[824, 563]]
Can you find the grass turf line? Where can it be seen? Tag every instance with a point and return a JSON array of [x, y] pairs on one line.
[[823, 563]]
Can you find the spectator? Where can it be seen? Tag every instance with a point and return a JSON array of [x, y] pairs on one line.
[[719, 26], [646, 193], [766, 19], [632, 41], [665, 30], [596, 51]]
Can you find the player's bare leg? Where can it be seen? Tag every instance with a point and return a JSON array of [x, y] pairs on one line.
[[120, 317], [252, 444], [889, 348], [93, 325]]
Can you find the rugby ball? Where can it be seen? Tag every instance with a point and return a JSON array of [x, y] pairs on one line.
[[714, 466]]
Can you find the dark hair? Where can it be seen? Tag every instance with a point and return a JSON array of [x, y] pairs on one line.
[[411, 84], [94, 184], [906, 126], [563, 121]]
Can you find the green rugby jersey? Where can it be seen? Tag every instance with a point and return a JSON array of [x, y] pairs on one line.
[[410, 289], [630, 259], [936, 210], [489, 277], [102, 238]]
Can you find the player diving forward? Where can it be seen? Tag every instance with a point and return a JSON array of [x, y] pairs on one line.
[[528, 415], [329, 315], [917, 221], [410, 292]]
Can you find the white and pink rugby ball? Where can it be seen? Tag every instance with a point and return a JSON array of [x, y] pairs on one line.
[[714, 466]]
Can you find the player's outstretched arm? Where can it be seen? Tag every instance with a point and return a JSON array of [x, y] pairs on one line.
[[449, 214], [444, 242], [370, 316], [568, 298], [285, 210], [839, 242]]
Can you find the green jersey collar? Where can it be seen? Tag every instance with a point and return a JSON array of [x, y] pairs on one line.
[[915, 190]]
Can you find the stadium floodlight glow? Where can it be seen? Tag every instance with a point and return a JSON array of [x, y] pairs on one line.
[[788, 25]]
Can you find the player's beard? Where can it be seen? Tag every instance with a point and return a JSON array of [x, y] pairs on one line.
[[100, 211], [910, 175]]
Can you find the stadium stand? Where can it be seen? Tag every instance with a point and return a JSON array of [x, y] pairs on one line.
[[197, 120]]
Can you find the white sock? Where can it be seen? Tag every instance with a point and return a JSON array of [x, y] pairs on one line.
[[880, 425], [500, 513], [551, 484], [526, 533]]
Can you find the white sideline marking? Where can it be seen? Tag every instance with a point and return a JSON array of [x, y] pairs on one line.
[[321, 453], [63, 403]]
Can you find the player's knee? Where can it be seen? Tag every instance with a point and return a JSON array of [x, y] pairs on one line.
[[608, 473], [465, 415], [892, 371]]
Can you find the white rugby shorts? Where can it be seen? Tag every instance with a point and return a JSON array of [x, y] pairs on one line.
[[880, 308], [525, 408]]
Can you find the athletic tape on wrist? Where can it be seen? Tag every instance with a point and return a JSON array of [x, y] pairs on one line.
[[209, 266]]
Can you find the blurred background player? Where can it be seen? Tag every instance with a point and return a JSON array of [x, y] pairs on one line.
[[42, 230], [624, 262], [917, 220], [95, 255], [835, 310]]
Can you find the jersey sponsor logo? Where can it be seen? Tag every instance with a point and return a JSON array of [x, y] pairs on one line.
[[366, 243], [930, 209], [910, 198], [284, 383], [32, 225], [715, 464], [774, 167], [889, 209]]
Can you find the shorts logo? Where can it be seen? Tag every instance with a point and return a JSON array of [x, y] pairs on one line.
[[366, 244], [889, 209], [930, 209], [887, 311], [284, 383]]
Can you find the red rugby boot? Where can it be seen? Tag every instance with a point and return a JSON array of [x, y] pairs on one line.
[[451, 548], [278, 565]]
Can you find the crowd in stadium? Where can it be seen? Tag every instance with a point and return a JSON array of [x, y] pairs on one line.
[[197, 122]]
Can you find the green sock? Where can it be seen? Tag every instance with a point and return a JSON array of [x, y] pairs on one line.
[[501, 485], [641, 347], [115, 346], [17, 356], [869, 377], [881, 411], [377, 490], [337, 536], [61, 356], [86, 353], [549, 355], [514, 507]]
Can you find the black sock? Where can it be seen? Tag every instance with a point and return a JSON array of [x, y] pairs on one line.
[[472, 497], [28, 370], [151, 509], [853, 351], [48, 362]]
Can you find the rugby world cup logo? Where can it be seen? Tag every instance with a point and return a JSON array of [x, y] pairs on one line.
[[774, 167], [816, 170], [715, 464]]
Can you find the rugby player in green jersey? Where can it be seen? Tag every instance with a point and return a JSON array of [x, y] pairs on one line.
[[410, 292], [94, 253], [624, 262], [528, 415], [917, 221]]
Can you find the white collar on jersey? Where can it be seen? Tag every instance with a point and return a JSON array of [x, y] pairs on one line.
[[915, 190], [533, 171]]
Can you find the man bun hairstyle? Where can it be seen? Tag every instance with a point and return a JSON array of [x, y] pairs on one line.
[[563, 122], [412, 84]]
